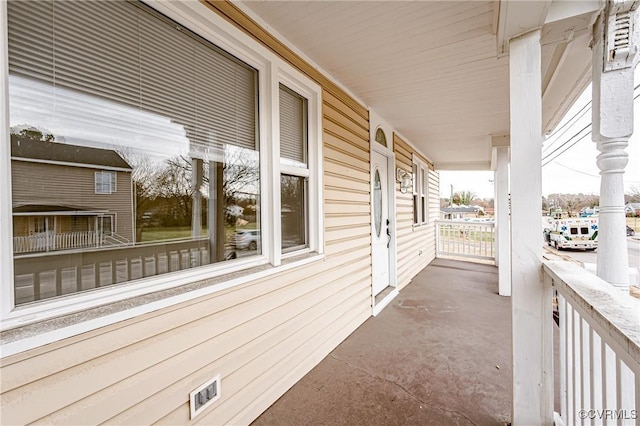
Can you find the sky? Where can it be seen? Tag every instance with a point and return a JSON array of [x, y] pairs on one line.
[[572, 171]]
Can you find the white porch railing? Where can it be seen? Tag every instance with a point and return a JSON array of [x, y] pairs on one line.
[[461, 239], [49, 241], [599, 342]]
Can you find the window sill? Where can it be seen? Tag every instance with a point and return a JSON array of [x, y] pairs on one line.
[[30, 336]]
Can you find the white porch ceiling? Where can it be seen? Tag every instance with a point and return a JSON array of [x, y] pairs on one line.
[[429, 68]]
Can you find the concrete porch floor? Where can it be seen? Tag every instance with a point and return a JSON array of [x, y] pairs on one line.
[[439, 354]]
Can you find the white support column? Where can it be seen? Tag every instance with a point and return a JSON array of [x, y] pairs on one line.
[[503, 225], [496, 206], [532, 366], [614, 59]]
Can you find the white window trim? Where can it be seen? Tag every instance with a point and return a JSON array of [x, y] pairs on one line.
[[113, 181], [272, 70], [421, 189], [312, 92]]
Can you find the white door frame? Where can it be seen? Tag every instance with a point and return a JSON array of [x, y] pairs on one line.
[[391, 186]]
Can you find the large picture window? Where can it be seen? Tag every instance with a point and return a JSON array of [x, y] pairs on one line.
[[106, 92]]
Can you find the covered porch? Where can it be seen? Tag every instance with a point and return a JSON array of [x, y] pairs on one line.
[[475, 87], [440, 354]]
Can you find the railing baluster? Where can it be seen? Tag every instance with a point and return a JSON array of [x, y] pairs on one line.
[[577, 362], [595, 377], [618, 388], [637, 399], [627, 394], [609, 364], [36, 285], [58, 281], [562, 335], [114, 271], [143, 266], [571, 403], [585, 361]]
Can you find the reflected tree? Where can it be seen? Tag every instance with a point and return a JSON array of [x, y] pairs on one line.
[[32, 132]]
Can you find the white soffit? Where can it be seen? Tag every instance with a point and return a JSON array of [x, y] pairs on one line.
[[429, 68]]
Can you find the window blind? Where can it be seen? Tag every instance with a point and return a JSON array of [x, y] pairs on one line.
[[125, 52], [293, 125]]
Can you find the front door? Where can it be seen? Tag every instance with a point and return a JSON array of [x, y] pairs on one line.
[[380, 218]]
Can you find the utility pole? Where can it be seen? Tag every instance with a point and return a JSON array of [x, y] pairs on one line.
[[451, 197]]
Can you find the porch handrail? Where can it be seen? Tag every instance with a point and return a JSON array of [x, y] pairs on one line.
[[465, 239], [599, 342]]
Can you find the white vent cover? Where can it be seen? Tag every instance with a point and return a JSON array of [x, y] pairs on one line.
[[204, 395]]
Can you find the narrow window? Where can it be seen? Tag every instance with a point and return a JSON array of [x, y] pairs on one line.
[[294, 167], [416, 204], [420, 192], [423, 194]]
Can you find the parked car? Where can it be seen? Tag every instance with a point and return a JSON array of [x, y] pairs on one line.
[[246, 239], [630, 231]]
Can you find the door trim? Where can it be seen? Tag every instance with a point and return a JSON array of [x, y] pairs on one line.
[[391, 186]]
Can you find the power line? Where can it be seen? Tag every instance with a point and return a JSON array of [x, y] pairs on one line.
[[567, 148], [582, 111], [577, 171], [567, 141], [566, 130], [575, 135], [570, 123]]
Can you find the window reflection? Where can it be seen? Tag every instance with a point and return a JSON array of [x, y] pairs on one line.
[[113, 177], [293, 212]]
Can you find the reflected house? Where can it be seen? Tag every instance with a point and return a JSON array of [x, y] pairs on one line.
[[461, 212], [68, 197]]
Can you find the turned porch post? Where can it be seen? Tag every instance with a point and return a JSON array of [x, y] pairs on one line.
[[614, 58]]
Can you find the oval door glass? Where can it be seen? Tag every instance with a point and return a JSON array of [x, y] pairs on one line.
[[377, 202]]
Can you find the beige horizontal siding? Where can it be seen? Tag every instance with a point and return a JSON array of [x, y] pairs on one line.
[[416, 245], [261, 337]]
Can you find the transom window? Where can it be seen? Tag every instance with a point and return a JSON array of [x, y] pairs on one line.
[[380, 137], [116, 98]]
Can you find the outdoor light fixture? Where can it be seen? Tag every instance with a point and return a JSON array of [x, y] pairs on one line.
[[404, 178]]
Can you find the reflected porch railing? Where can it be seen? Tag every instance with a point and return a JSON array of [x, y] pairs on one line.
[[599, 345], [54, 241], [51, 241], [43, 275]]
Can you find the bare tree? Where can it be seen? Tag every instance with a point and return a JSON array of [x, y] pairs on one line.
[[464, 197], [635, 195]]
